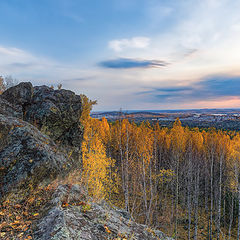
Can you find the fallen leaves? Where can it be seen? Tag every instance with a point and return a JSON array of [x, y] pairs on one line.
[[85, 206], [18, 125], [25, 228], [29, 237], [3, 225], [65, 204], [107, 229], [19, 211], [20, 234], [15, 222], [81, 203], [31, 200]]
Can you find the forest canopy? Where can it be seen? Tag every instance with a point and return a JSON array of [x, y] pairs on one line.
[[181, 180]]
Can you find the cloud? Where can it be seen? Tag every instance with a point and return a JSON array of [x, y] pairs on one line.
[[208, 89], [174, 89], [132, 63], [80, 79], [20, 65], [136, 42], [217, 86], [198, 37], [26, 66]]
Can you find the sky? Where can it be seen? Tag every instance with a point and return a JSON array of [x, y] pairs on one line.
[[128, 54]]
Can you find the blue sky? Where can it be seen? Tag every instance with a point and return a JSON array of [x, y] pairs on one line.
[[129, 54]]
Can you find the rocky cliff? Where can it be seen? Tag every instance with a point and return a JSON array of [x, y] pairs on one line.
[[55, 113], [39, 130], [40, 140]]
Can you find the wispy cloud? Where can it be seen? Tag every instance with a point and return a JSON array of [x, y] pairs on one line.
[[210, 88], [20, 65], [174, 89], [119, 45], [128, 40], [132, 63], [24, 65], [218, 86]]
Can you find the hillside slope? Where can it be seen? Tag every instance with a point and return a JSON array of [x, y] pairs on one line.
[[40, 141]]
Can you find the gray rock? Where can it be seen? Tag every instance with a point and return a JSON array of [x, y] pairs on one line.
[[35, 124], [56, 113], [9, 109], [20, 94], [96, 223], [27, 155]]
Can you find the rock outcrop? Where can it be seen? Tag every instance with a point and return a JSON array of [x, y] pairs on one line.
[[19, 95], [39, 130], [55, 113], [7, 109], [83, 221], [27, 156], [40, 140]]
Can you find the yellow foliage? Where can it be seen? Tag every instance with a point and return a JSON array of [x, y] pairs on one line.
[[97, 172]]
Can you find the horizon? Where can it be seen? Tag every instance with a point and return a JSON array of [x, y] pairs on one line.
[[126, 54], [152, 110]]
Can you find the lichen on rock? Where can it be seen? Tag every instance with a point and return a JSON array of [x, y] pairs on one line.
[[27, 155], [99, 222], [54, 112]]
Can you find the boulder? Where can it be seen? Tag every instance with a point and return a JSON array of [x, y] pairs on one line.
[[27, 156], [8, 109], [55, 113], [96, 221], [19, 95]]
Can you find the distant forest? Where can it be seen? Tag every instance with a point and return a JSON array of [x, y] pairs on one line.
[[230, 120]]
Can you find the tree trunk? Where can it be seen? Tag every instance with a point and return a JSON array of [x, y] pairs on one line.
[[189, 204], [176, 200], [151, 192], [231, 219], [238, 230], [219, 198], [144, 188], [211, 196], [126, 193], [196, 204]]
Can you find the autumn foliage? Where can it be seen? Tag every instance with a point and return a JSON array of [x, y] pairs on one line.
[[183, 181], [19, 211]]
